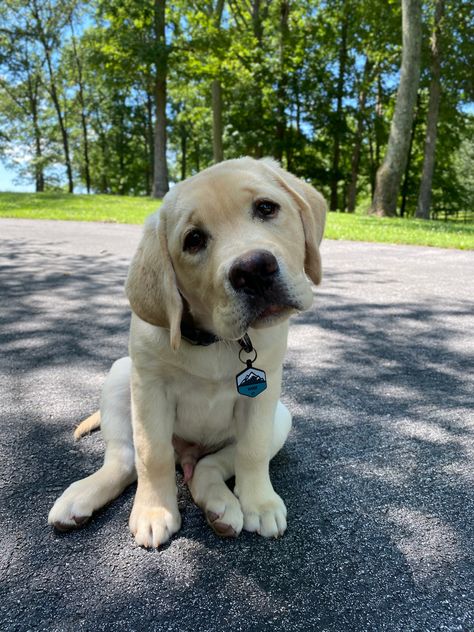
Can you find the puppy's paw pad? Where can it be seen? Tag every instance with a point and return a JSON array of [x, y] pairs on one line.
[[153, 526]]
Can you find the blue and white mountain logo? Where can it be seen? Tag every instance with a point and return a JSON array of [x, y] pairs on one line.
[[251, 382]]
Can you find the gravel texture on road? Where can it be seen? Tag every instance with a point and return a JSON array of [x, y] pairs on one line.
[[377, 474]]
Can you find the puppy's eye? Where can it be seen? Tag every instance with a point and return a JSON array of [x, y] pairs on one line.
[[265, 209], [195, 241]]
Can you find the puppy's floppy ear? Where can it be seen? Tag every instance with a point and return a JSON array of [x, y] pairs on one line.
[[312, 212], [151, 284]]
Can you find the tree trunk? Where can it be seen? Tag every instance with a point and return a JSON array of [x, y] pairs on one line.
[[378, 124], [160, 175], [85, 136], [282, 81], [372, 165], [33, 88], [102, 182], [87, 169], [298, 108], [406, 175], [197, 150], [216, 94], [424, 198], [257, 27], [57, 106], [293, 131], [121, 150], [184, 152], [376, 143], [149, 140], [62, 125], [352, 190], [390, 173], [217, 149], [39, 173], [333, 205]]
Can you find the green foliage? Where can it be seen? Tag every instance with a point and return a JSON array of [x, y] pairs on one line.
[[278, 63]]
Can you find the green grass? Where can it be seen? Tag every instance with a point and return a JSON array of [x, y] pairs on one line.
[[395, 230], [132, 210], [82, 208]]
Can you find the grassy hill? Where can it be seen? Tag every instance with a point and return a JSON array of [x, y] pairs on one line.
[[133, 210]]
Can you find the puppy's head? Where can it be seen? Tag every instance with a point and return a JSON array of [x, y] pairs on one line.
[[233, 246]]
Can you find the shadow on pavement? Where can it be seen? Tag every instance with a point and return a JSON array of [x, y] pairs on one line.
[[377, 474], [49, 299]]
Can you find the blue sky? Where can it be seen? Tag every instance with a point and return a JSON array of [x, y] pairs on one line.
[[7, 177]]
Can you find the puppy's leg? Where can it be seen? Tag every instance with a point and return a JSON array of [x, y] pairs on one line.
[[221, 507], [209, 491], [76, 505], [264, 511], [155, 515]]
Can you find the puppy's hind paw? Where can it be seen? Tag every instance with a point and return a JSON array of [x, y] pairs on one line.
[[223, 512]]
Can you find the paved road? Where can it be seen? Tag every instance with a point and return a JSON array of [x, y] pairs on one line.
[[378, 473]]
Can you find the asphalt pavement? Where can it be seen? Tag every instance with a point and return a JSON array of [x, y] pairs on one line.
[[377, 475]]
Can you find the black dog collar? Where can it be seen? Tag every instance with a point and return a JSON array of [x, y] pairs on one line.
[[197, 337], [201, 338]]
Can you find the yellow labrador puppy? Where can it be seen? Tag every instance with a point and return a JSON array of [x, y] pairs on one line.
[[219, 270]]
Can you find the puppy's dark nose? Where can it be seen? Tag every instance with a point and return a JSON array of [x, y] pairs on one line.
[[253, 272]]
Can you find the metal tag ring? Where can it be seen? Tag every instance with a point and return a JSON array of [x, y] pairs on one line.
[[245, 361]]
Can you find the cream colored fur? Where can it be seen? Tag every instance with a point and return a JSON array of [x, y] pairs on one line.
[[169, 388]]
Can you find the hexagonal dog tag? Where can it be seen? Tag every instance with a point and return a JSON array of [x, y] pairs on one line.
[[251, 381]]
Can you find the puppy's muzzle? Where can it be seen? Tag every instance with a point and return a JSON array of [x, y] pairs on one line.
[[254, 273]]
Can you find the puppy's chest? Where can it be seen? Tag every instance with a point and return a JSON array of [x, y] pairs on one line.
[[205, 394], [205, 411], [201, 383]]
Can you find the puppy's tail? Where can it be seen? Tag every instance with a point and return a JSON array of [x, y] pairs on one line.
[[88, 425]]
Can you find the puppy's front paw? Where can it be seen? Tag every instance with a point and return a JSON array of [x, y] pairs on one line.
[[265, 514], [153, 525], [73, 508]]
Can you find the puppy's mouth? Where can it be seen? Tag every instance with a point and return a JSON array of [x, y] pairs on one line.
[[272, 314], [270, 308]]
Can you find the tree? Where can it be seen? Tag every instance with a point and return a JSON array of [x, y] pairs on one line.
[[424, 198], [357, 149], [160, 174], [134, 89], [338, 127], [47, 24], [24, 97], [82, 104], [390, 173], [216, 91], [136, 51], [27, 118]]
